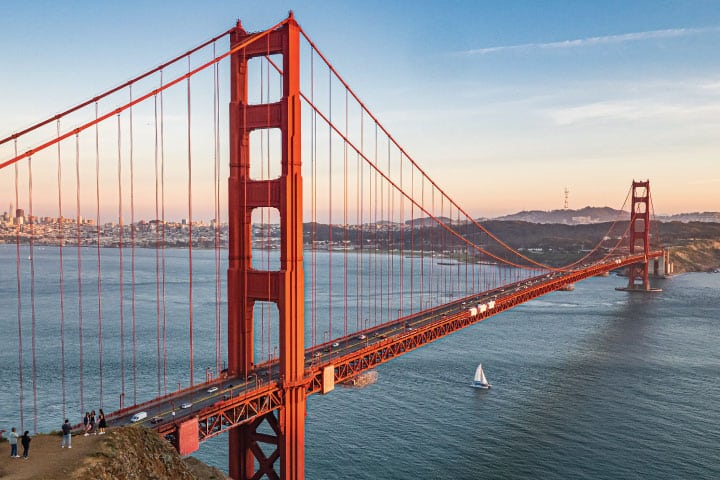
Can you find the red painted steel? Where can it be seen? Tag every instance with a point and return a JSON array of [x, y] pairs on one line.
[[279, 403], [640, 231], [247, 285], [241, 413], [187, 438]]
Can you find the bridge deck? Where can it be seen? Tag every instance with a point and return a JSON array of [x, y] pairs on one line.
[[223, 404]]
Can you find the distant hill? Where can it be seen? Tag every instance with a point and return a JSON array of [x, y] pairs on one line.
[[599, 215], [691, 217], [568, 217]]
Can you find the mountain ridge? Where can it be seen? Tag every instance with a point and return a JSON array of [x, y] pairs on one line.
[[589, 214]]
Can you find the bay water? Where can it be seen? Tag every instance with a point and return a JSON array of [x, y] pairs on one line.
[[593, 383]]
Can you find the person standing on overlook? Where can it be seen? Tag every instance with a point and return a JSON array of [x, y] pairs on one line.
[[13, 438], [92, 423], [86, 423], [102, 423], [67, 434], [25, 439]]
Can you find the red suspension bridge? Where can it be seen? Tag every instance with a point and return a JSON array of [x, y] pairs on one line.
[[327, 252]]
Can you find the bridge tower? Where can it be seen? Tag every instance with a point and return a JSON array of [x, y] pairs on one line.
[[247, 285], [640, 233]]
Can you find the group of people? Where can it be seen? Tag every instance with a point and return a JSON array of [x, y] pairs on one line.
[[24, 440], [90, 422]]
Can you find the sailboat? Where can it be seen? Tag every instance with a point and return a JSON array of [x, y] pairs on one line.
[[480, 381]]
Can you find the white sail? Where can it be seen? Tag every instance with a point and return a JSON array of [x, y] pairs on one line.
[[479, 380], [479, 374]]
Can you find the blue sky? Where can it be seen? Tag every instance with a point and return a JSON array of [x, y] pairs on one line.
[[504, 103]]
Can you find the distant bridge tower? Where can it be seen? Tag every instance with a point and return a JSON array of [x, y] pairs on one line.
[[285, 287], [567, 193], [640, 233]]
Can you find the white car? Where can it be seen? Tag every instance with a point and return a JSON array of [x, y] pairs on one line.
[[336, 344], [212, 389], [186, 405], [138, 416], [362, 337]]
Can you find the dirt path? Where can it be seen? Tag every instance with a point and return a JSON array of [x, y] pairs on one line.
[[46, 460]]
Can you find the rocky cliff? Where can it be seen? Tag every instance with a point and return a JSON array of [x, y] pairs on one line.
[[123, 453], [696, 256], [132, 452]]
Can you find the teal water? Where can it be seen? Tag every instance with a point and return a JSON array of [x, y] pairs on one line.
[[593, 383]]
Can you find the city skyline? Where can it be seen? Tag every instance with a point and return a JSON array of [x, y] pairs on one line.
[[536, 98]]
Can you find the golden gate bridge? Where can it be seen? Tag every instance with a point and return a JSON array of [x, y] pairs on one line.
[[325, 240]]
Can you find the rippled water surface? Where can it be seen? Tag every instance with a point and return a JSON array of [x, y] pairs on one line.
[[593, 383]]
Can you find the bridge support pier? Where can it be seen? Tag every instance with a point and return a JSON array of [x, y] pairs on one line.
[[638, 274], [284, 287]]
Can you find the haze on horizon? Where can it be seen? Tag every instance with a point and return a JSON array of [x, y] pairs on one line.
[[503, 104]]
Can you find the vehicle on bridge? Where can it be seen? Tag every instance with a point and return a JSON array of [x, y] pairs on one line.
[[138, 416]]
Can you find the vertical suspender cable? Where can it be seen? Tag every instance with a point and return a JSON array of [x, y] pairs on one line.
[[158, 226], [190, 230], [359, 236], [413, 308], [121, 258], [376, 292], [32, 295], [435, 243], [162, 212], [330, 206], [402, 237], [79, 269], [97, 215], [216, 197], [120, 253], [391, 240], [388, 217], [345, 221], [61, 240], [164, 240], [423, 231], [457, 255], [313, 199], [19, 300], [267, 192], [132, 251]]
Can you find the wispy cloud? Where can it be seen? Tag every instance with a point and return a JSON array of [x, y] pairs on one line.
[[594, 41], [712, 87], [631, 110]]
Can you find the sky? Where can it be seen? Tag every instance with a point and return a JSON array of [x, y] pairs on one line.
[[504, 103]]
